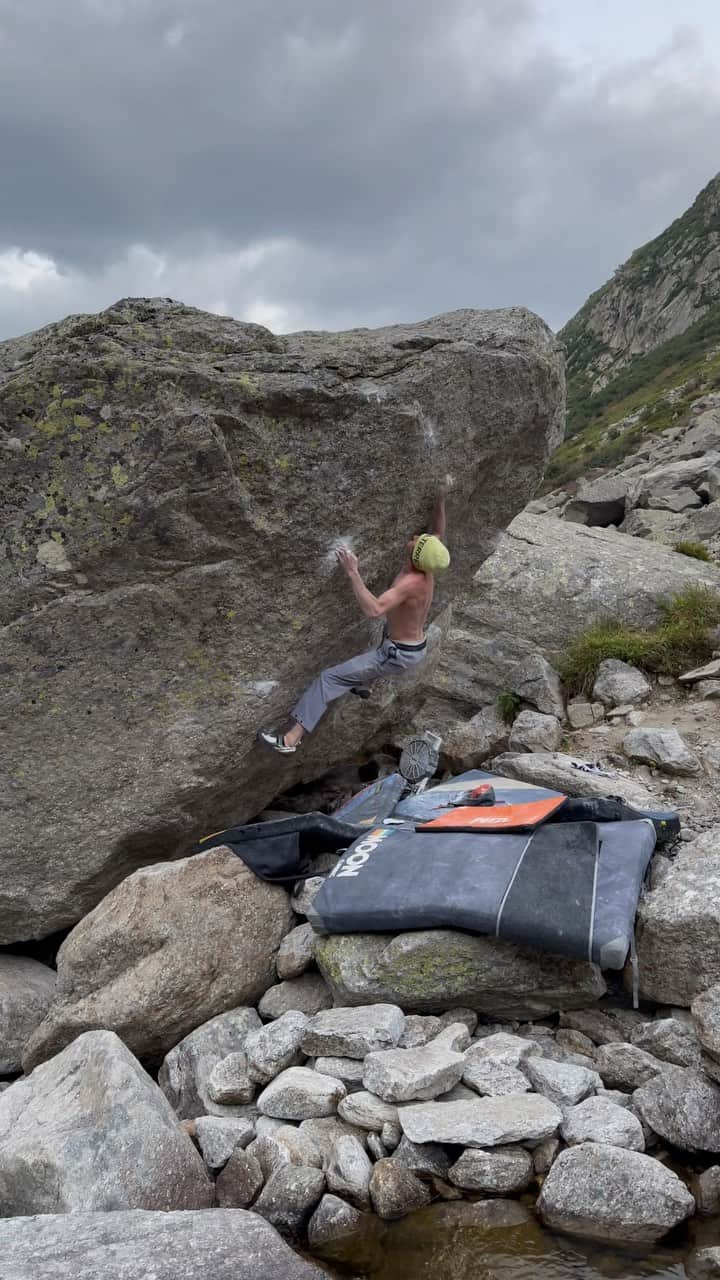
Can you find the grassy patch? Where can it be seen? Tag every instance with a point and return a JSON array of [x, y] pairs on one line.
[[696, 550], [679, 640], [508, 705]]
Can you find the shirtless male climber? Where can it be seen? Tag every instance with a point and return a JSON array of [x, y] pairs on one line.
[[405, 607]]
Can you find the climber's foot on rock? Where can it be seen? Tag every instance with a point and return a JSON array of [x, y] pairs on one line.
[[277, 742], [360, 691]]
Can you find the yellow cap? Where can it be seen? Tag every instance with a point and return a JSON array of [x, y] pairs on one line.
[[430, 555]]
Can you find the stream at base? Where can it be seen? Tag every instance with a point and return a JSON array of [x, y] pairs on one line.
[[500, 1240]]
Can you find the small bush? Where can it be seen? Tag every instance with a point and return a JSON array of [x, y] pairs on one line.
[[508, 705], [697, 550], [679, 640]]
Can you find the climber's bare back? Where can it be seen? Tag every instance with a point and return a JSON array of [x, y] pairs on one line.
[[406, 620]]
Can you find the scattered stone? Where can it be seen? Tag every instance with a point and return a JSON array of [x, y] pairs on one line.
[[501, 1047], [545, 1155], [426, 1160], [678, 929], [275, 1047], [354, 1032], [90, 1131], [465, 746], [711, 671], [308, 994], [598, 502], [296, 952], [557, 771], [683, 1107], [575, 1042], [611, 1194], [600, 1120], [669, 1040], [367, 1111], [706, 1018], [391, 1134], [326, 1130], [376, 1147], [218, 1138], [624, 1066], [493, 1079], [306, 893], [268, 1126], [287, 1145], [431, 969], [708, 689], [395, 1191], [533, 731], [707, 1191], [333, 1220], [663, 748], [402, 1075], [454, 1036], [27, 989], [348, 1172], [485, 1122], [301, 1094], [186, 1071], [562, 1083], [580, 715], [239, 1182], [289, 1198], [132, 1245], [452, 1016], [502, 1172], [230, 1082], [349, 1070], [418, 1029]]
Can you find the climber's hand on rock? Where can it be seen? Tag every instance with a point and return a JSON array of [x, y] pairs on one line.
[[348, 560]]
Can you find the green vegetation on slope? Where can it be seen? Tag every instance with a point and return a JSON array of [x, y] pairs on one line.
[[659, 387], [681, 639]]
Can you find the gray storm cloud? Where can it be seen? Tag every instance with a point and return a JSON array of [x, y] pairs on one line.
[[329, 164]]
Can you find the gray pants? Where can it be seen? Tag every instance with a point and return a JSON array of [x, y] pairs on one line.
[[388, 661]]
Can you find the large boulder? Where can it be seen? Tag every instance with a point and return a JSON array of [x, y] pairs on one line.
[[683, 1107], [169, 948], [678, 928], [26, 992], [559, 772], [91, 1131], [608, 1193], [548, 580], [171, 500], [225, 1243], [435, 969]]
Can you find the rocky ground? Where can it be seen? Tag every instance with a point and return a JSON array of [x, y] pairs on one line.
[[198, 1049]]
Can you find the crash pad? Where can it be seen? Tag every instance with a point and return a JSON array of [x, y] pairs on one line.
[[569, 888]]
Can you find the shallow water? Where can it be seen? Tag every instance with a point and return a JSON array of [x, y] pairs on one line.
[[498, 1241]]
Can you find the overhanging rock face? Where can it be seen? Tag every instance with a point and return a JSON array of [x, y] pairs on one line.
[[172, 487]]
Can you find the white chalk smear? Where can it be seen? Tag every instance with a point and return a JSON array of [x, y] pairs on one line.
[[330, 560]]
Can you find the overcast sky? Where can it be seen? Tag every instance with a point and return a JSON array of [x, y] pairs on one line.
[[330, 163]]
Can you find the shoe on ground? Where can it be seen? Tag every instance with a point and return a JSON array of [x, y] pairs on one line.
[[360, 691], [277, 742]]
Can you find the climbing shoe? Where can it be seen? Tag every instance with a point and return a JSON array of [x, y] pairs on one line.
[[360, 691], [277, 742]]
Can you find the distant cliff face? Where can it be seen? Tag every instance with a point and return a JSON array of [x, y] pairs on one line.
[[661, 290]]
